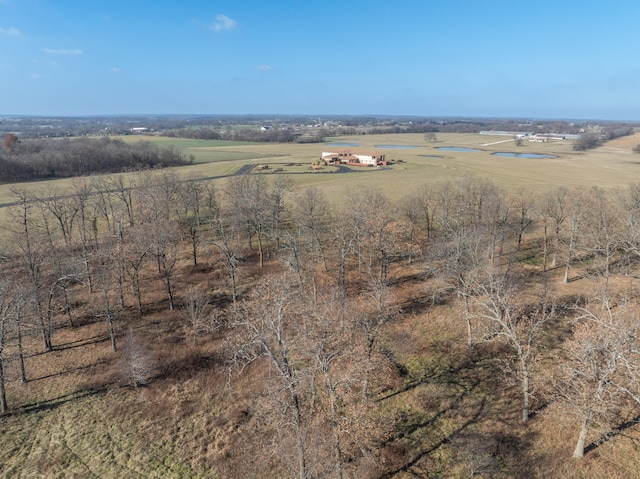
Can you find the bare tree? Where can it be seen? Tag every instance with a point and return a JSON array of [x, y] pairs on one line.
[[523, 204], [576, 219], [165, 250], [505, 317], [555, 207], [199, 313], [460, 259], [266, 328], [226, 240], [136, 249], [430, 137], [105, 307], [82, 192], [311, 215], [419, 207], [122, 189], [281, 187], [191, 195], [138, 365], [342, 406], [33, 253], [248, 200], [6, 305], [62, 209], [602, 232], [593, 370]]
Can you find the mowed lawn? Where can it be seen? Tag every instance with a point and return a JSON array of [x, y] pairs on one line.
[[610, 166]]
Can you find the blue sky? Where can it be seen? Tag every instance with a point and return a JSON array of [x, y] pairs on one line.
[[478, 58]]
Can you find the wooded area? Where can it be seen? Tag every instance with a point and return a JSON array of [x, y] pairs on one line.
[[39, 159], [320, 302]]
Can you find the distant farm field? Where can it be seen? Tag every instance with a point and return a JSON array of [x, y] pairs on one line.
[[415, 162], [612, 165]]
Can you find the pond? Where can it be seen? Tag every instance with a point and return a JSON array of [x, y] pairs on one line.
[[396, 146], [337, 143], [522, 155], [457, 148]]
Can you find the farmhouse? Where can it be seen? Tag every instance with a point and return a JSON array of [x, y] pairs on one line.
[[356, 159]]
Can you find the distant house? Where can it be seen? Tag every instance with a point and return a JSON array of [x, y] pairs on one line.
[[350, 158], [139, 130]]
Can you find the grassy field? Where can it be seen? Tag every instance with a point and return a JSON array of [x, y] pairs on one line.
[[610, 166]]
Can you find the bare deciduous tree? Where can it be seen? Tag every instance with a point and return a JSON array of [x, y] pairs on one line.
[[33, 253], [197, 310], [266, 327], [506, 317], [589, 386], [226, 239], [249, 204], [6, 305], [138, 365]]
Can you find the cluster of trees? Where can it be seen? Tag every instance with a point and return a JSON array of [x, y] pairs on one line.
[[60, 158], [593, 139], [316, 323]]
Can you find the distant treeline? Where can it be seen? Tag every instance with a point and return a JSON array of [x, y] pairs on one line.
[[251, 134], [60, 158], [596, 134]]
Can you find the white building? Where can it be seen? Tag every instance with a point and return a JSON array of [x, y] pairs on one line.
[[347, 157]]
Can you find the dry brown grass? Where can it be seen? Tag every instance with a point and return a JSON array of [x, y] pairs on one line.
[[77, 416], [454, 413]]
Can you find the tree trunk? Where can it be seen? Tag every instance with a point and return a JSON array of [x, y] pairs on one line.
[[334, 423], [23, 374], [109, 315], [112, 333], [525, 394], [260, 250], [578, 452], [167, 282], [67, 306], [4, 408], [544, 251]]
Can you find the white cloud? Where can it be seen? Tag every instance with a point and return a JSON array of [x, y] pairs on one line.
[[62, 51], [114, 70], [223, 23], [11, 31], [264, 68]]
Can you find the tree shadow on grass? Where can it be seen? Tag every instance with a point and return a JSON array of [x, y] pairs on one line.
[[186, 365], [421, 432], [82, 342], [51, 404], [617, 431], [62, 373], [455, 399], [422, 442]]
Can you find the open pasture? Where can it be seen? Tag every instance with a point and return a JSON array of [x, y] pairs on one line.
[[612, 165]]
